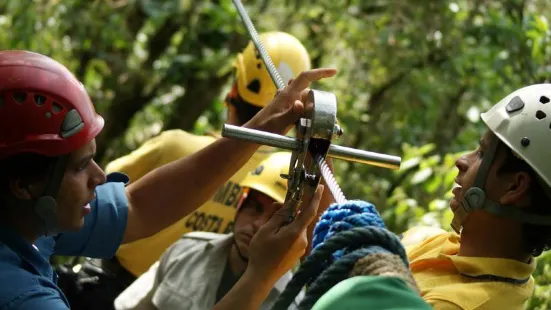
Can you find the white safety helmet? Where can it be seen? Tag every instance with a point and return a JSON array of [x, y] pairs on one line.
[[522, 121]]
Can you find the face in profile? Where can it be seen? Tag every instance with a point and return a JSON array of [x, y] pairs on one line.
[[82, 175]]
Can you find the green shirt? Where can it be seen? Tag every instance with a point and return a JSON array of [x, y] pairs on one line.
[[371, 292]]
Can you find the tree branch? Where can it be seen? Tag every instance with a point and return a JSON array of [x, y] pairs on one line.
[[130, 98], [199, 95], [84, 59], [375, 101], [136, 18]]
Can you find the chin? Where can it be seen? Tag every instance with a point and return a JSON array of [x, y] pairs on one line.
[[72, 226], [454, 204]]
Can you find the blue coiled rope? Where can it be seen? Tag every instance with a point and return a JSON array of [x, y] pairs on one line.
[[345, 233]]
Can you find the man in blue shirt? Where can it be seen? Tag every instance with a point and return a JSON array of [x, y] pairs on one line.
[[54, 199]]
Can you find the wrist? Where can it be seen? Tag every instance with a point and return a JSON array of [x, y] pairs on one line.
[[259, 282], [257, 123], [267, 122]]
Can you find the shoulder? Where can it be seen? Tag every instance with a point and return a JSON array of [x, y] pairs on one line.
[[443, 243], [193, 244], [27, 290], [111, 193], [182, 139], [418, 234], [175, 144], [203, 236], [165, 147], [478, 295]]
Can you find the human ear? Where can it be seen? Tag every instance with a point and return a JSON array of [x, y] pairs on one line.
[[517, 189], [23, 189]]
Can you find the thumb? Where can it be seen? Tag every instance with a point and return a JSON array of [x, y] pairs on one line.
[[308, 211]]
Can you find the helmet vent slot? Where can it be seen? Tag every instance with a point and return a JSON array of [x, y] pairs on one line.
[[254, 86], [20, 97], [544, 99], [56, 107], [39, 100], [540, 115]]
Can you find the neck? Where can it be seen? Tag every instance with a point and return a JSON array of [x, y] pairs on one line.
[[500, 238], [21, 224], [237, 264]]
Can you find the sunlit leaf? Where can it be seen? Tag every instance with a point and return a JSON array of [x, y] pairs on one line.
[[421, 176]]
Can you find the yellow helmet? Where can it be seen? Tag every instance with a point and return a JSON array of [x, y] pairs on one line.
[[254, 83], [266, 177]]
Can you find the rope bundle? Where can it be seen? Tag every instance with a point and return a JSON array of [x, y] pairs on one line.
[[349, 240]]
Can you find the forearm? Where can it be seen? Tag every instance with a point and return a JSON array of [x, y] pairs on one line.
[[172, 191], [247, 294]]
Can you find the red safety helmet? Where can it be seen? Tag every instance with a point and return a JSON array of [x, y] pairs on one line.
[[44, 109]]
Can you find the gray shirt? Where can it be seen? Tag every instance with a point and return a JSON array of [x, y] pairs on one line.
[[188, 276]]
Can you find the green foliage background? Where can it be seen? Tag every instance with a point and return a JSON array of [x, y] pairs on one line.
[[413, 77]]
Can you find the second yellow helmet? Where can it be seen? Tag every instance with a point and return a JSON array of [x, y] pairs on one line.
[[266, 177], [254, 83]]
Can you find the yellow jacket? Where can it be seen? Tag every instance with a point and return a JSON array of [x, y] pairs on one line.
[[451, 282]]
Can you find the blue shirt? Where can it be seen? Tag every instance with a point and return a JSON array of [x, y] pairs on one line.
[[27, 281]]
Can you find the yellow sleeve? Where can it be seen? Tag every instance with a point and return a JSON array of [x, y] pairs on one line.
[[216, 215], [158, 151]]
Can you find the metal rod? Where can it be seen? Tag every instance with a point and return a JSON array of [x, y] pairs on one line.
[[260, 137], [335, 151], [364, 157], [278, 81]]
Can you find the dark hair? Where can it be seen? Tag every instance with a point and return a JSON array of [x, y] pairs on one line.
[[537, 238], [243, 109], [30, 167]]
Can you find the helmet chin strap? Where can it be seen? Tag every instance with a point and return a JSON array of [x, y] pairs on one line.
[[475, 198], [45, 206]]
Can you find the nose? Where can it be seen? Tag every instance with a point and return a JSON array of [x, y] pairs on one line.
[[260, 221], [98, 176], [257, 224], [462, 164]]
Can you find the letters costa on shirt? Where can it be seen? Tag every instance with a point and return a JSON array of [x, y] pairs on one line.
[[211, 220]]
